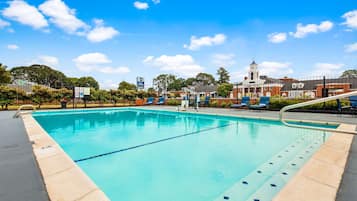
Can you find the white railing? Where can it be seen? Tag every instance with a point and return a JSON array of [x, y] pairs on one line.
[[18, 112], [307, 103]]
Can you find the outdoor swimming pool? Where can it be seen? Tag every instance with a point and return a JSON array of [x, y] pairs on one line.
[[137, 154]]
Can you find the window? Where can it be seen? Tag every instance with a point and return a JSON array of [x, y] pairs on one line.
[[251, 75], [301, 85], [294, 85]]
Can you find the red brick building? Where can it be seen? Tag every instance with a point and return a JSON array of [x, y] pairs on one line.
[[255, 85]]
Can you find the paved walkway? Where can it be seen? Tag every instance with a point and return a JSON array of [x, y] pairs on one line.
[[348, 186], [338, 118], [20, 178]]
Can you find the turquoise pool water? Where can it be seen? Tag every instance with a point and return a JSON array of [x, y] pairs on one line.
[[137, 155]]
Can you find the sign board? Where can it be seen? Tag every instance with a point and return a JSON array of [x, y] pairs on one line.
[[80, 92], [140, 84], [86, 91]]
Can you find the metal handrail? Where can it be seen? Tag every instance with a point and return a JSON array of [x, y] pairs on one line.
[[18, 112], [307, 103]]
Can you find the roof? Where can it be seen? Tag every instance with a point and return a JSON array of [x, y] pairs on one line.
[[269, 80], [312, 84], [205, 88]]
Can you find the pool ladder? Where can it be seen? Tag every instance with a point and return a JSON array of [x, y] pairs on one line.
[[307, 103], [19, 112]]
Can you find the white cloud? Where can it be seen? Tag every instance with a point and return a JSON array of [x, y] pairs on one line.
[[156, 1], [101, 33], [197, 43], [120, 70], [277, 37], [4, 23], [238, 76], [351, 19], [141, 5], [148, 59], [275, 69], [45, 60], [63, 16], [49, 60], [224, 60], [12, 47], [184, 65], [351, 47], [98, 62], [24, 13], [327, 69], [304, 30]]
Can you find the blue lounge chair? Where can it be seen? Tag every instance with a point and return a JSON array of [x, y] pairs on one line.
[[149, 101], [244, 103], [206, 102], [263, 103], [161, 101], [353, 103]]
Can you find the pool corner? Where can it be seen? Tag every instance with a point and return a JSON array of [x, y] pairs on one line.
[[320, 177], [64, 180]]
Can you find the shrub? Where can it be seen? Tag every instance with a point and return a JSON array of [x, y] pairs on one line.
[[223, 104], [213, 104], [229, 103], [173, 102]]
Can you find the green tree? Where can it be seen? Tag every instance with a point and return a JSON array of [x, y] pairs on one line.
[[151, 92], [352, 73], [5, 76], [70, 82], [205, 79], [190, 81], [129, 95], [177, 84], [62, 94], [224, 89], [40, 74], [87, 82], [223, 76], [9, 95], [163, 81], [41, 95], [126, 86], [115, 96]]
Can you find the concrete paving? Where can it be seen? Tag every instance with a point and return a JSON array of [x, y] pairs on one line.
[[20, 177], [348, 186]]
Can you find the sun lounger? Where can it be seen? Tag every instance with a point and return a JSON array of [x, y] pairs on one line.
[[149, 101], [161, 101], [244, 103], [263, 103]]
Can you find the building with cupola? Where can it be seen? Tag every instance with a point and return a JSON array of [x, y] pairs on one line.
[[255, 85]]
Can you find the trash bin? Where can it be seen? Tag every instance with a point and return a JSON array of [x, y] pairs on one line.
[[63, 104]]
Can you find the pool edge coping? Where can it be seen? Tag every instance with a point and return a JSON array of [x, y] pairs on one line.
[[303, 176], [63, 178], [202, 113], [320, 177]]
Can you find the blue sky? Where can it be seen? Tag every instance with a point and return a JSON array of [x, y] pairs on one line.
[[119, 40]]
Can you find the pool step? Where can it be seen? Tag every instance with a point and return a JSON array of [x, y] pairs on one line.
[[274, 184], [269, 172]]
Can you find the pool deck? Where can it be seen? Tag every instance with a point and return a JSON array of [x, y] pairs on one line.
[[21, 177]]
